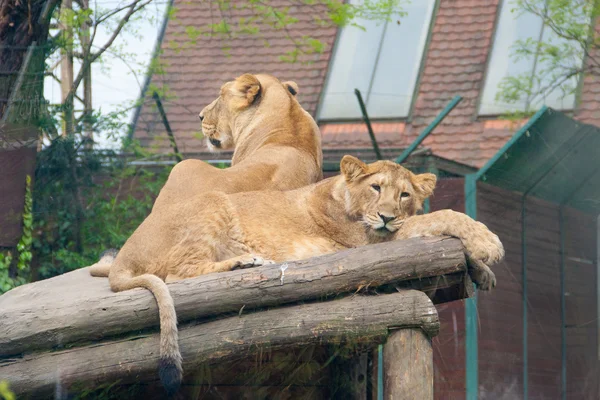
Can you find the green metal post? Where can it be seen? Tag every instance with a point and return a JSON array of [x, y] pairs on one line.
[[380, 372], [402, 157], [161, 110], [524, 278], [363, 110], [563, 307], [471, 345]]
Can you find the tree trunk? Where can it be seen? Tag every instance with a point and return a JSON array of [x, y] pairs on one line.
[[71, 307], [355, 319], [66, 73], [22, 24], [408, 366]]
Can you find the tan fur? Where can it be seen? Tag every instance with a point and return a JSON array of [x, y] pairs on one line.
[[216, 232], [277, 146], [277, 143]]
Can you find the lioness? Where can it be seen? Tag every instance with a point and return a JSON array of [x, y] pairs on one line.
[[277, 145], [365, 204]]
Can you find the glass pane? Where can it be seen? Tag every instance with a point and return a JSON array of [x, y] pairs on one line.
[[399, 62], [511, 27], [551, 77], [352, 67]]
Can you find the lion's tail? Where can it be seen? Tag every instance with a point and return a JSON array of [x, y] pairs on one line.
[[102, 267], [170, 369]]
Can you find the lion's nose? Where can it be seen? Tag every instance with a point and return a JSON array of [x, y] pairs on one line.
[[201, 117], [215, 142], [386, 218]]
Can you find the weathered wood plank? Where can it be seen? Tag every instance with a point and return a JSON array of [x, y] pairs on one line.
[[355, 319], [408, 366], [74, 307]]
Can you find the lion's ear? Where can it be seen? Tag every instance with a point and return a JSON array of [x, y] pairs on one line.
[[292, 87], [246, 88], [424, 184], [352, 168]]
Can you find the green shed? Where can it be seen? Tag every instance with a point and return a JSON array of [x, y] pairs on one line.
[[536, 335]]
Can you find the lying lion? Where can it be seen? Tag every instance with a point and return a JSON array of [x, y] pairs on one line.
[[216, 232], [277, 146]]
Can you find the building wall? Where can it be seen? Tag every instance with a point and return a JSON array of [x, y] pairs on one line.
[[455, 63]]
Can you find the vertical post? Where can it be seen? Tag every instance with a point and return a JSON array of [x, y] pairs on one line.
[[374, 386], [349, 376], [363, 110], [471, 345], [66, 72], [524, 278], [358, 377], [408, 366], [563, 307], [87, 81], [380, 367], [598, 281]]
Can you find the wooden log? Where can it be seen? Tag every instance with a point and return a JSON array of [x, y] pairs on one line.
[[75, 307], [408, 366], [358, 377], [354, 319], [441, 288], [349, 374]]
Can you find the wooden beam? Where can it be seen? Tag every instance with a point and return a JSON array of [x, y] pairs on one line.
[[75, 307], [408, 366], [355, 319]]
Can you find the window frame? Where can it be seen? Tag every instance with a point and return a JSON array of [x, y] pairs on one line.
[[415, 91], [478, 115]]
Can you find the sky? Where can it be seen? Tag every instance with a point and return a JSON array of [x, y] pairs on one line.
[[114, 84]]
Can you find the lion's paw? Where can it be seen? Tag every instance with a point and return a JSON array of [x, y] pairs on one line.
[[483, 245], [483, 249], [251, 260], [482, 275]]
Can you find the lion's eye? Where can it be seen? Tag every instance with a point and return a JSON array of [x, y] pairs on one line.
[[404, 194], [377, 188]]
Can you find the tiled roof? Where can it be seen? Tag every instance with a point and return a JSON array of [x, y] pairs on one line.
[[195, 72], [589, 107], [455, 62]]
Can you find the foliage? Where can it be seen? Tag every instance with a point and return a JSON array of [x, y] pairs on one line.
[[566, 52], [79, 29], [264, 15], [10, 276], [5, 392], [86, 202]]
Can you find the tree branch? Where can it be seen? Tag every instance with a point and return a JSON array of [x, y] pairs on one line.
[[90, 57]]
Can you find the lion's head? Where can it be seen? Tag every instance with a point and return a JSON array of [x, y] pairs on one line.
[[237, 103], [383, 194]]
